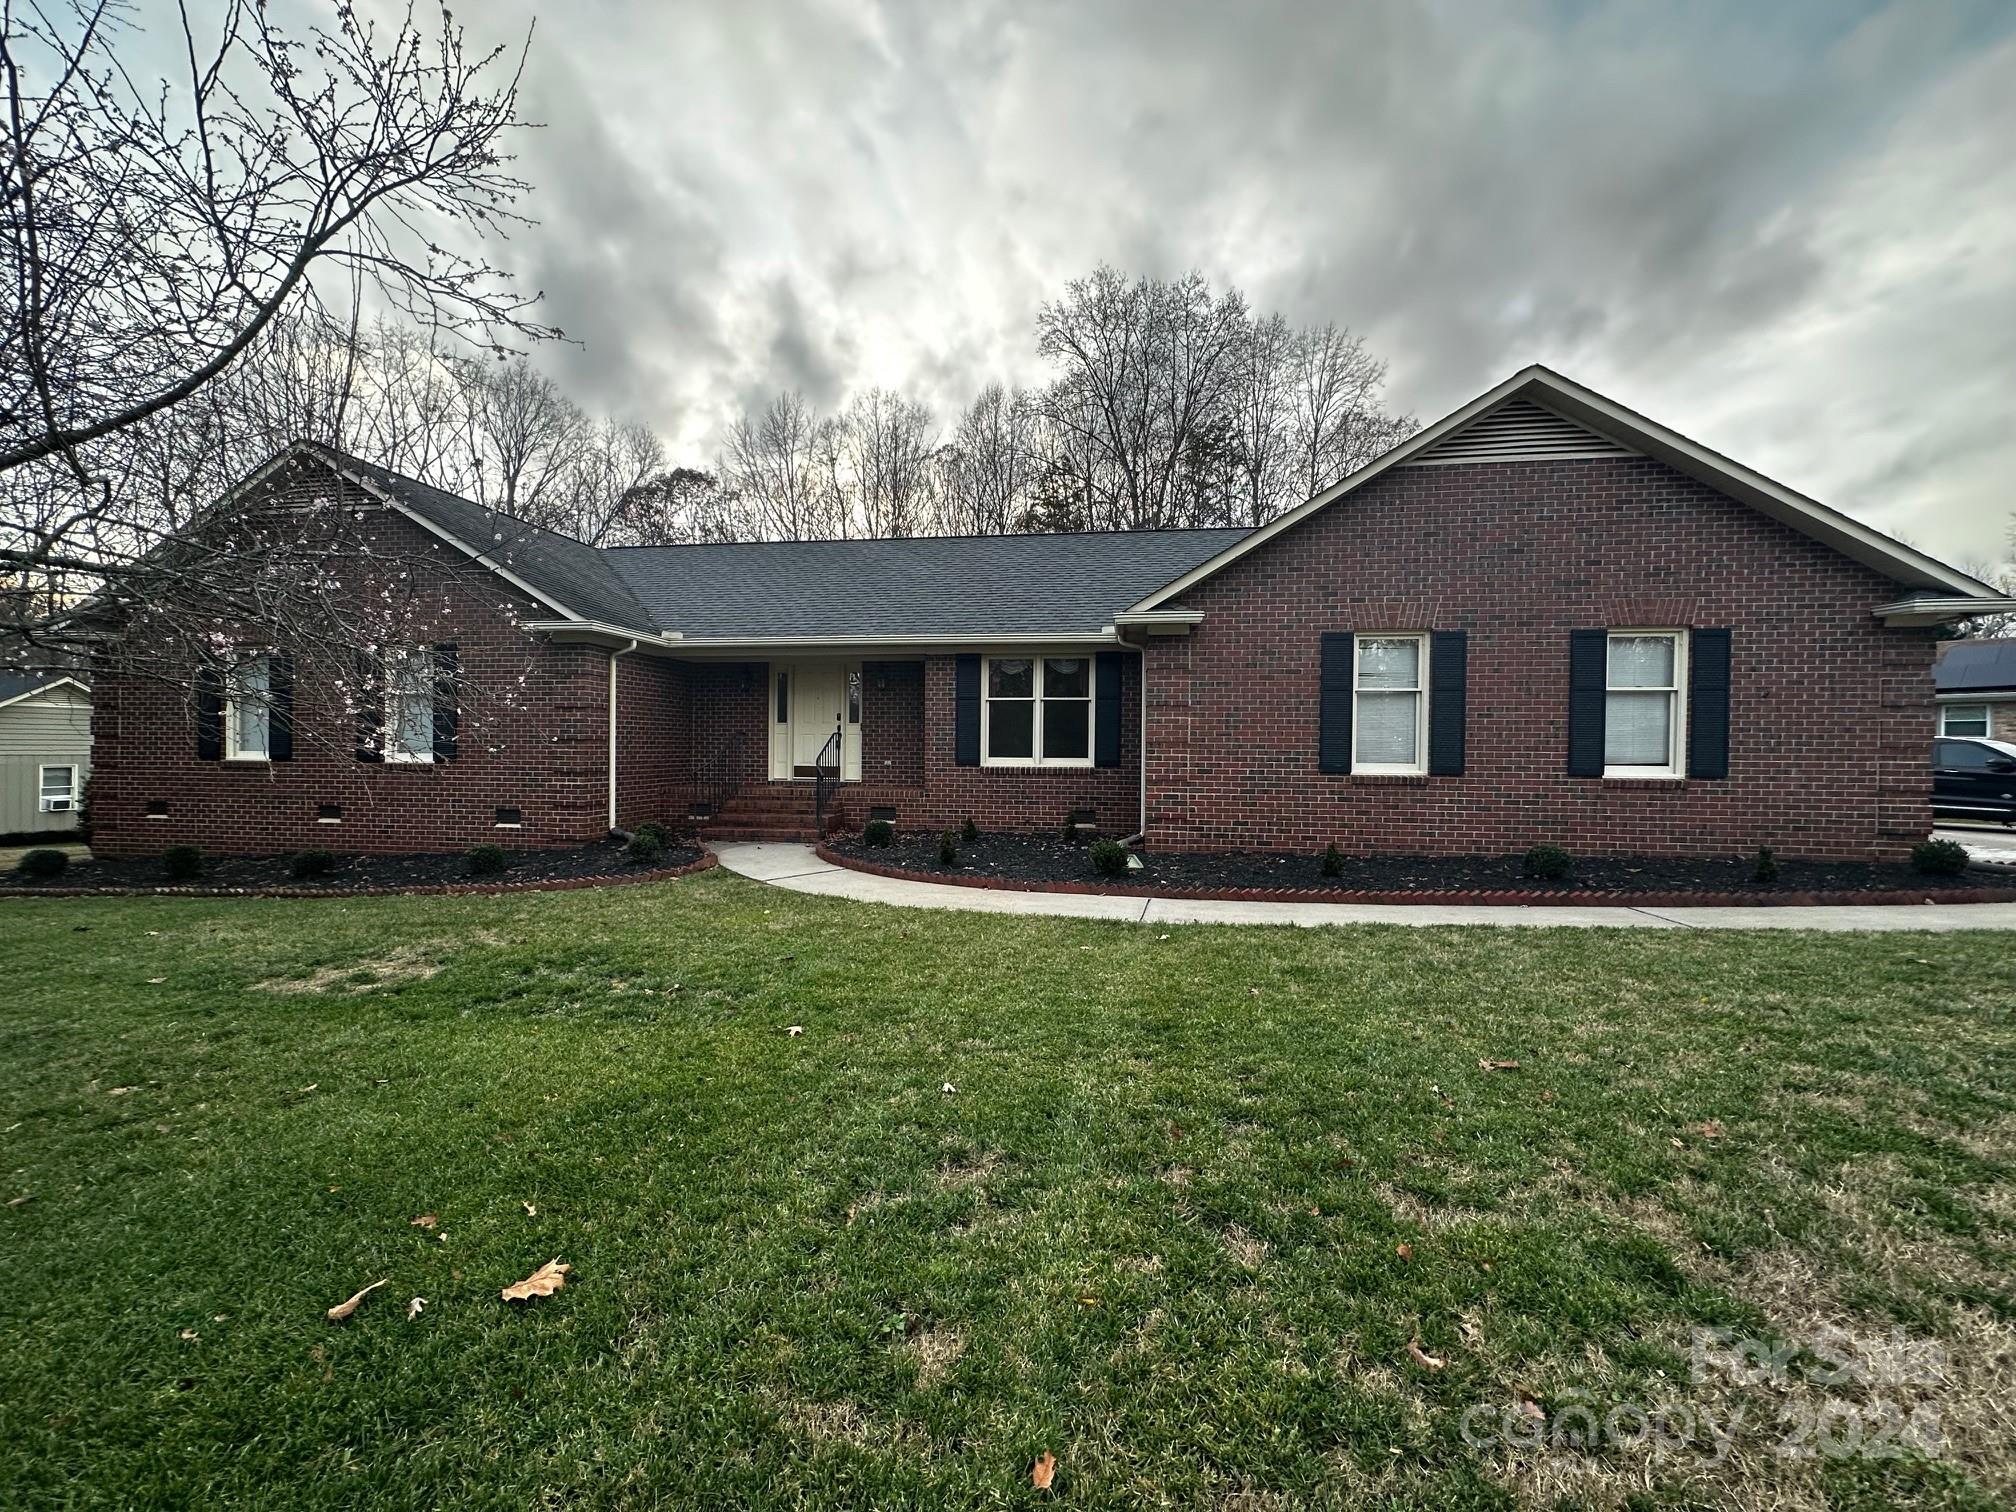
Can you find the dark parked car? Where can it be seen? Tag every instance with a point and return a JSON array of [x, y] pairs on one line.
[[1974, 779]]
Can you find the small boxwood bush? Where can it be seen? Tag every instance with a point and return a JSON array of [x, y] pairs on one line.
[[1550, 863], [1764, 868], [647, 844], [969, 831], [1333, 861], [1109, 858], [1939, 858], [654, 831], [183, 863], [948, 848], [311, 863], [879, 833], [487, 860], [43, 863]]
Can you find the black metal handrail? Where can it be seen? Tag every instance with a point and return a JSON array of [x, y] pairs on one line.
[[828, 760], [722, 775]]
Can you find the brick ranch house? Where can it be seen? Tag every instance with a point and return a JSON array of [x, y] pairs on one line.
[[1543, 618]]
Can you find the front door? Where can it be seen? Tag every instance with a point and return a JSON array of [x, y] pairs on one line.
[[809, 703]]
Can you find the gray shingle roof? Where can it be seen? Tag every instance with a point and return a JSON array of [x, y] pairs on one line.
[[982, 586], [562, 568], [1975, 666], [979, 586]]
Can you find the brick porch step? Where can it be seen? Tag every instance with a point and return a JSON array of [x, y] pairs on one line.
[[727, 830]]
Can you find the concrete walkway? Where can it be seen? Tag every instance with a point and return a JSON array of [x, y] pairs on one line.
[[794, 866]]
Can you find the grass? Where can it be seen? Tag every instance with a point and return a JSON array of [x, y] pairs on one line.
[[1195, 1195]]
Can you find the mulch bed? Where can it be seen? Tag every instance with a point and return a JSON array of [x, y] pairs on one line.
[[1036, 862], [596, 864]]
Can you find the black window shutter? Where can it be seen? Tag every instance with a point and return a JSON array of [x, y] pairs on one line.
[[370, 709], [447, 702], [1708, 704], [209, 714], [280, 708], [1333, 735], [966, 708], [1588, 675], [1106, 716], [1448, 701]]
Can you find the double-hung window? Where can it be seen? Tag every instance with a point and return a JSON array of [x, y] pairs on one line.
[[409, 705], [1964, 719], [59, 789], [1644, 715], [1037, 711], [248, 710], [1389, 705]]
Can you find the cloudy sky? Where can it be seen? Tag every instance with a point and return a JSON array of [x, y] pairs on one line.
[[1786, 229]]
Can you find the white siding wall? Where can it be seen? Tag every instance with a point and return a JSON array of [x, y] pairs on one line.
[[55, 727]]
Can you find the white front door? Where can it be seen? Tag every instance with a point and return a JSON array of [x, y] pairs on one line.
[[809, 702]]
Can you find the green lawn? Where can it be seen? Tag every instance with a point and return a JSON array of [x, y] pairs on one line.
[[1194, 1197]]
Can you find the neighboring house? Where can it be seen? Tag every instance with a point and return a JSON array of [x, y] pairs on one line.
[[45, 752], [1542, 619], [1976, 688]]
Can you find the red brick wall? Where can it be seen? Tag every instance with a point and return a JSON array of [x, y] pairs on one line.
[[1829, 711], [533, 736], [654, 741]]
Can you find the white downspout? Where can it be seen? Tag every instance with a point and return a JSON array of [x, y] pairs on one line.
[[612, 728]]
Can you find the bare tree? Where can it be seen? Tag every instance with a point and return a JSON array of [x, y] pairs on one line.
[[888, 449], [1263, 421], [1334, 417], [154, 237], [771, 467], [528, 437], [991, 466], [674, 508]]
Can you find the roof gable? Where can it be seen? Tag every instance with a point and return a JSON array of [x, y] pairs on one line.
[[1518, 430], [1585, 410], [20, 687]]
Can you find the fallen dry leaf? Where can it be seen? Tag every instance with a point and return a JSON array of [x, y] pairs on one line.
[[530, 1211], [121, 1091], [949, 1089], [413, 1308], [343, 1310], [1710, 1129], [1043, 1471], [1498, 1065], [1404, 1251], [1531, 1410], [795, 1030], [190, 1335], [543, 1282], [425, 1220], [1421, 1356]]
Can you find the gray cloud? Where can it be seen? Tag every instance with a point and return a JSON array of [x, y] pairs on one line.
[[1785, 230]]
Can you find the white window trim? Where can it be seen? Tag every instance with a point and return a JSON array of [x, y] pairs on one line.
[[48, 804], [1036, 758], [1418, 767], [231, 701], [389, 727], [1675, 767], [1987, 721]]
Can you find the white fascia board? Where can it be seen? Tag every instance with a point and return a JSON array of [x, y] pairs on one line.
[[1987, 695], [48, 687], [1941, 611], [597, 632], [1859, 542], [699, 647]]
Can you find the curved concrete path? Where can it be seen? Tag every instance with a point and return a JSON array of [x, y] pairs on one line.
[[794, 866]]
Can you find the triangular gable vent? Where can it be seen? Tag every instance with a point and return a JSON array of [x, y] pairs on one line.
[[1518, 431]]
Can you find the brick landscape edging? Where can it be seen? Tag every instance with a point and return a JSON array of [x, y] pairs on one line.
[[418, 889], [1507, 896]]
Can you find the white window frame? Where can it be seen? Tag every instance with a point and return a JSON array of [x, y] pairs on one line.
[[1418, 767], [49, 805], [231, 702], [393, 751], [1946, 712], [1038, 660], [1674, 768]]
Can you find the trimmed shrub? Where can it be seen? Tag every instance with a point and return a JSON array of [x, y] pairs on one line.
[[654, 831], [487, 860], [183, 863], [1109, 858], [948, 848], [1070, 828], [1939, 858], [647, 844], [311, 863], [1333, 861], [879, 833], [43, 863], [969, 831], [1550, 863], [1765, 867]]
